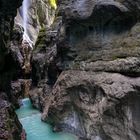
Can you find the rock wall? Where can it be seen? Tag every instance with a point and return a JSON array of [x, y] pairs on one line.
[[10, 127], [90, 85]]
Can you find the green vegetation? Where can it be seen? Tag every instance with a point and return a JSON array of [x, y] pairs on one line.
[[53, 4], [41, 41]]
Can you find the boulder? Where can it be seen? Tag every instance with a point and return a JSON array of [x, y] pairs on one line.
[[95, 105]]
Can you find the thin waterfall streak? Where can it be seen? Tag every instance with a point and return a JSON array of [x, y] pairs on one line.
[[25, 8], [25, 13]]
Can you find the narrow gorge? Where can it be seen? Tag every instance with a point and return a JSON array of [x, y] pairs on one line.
[[69, 70]]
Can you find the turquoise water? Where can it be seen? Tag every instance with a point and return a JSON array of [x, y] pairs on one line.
[[35, 129]]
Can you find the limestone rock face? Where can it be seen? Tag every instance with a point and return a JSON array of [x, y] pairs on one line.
[[12, 62], [83, 9], [106, 105], [10, 65], [45, 67], [7, 22], [94, 90], [10, 127]]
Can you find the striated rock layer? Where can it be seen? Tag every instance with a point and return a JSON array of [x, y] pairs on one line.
[[86, 71]]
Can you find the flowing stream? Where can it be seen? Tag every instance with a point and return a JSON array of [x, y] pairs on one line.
[[35, 129]]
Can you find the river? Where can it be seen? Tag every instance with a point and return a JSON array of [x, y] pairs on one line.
[[35, 129]]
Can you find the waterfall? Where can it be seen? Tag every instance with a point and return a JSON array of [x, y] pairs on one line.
[[25, 8], [26, 102], [34, 15], [25, 13]]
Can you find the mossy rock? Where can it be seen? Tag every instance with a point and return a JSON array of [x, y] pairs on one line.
[[41, 40]]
